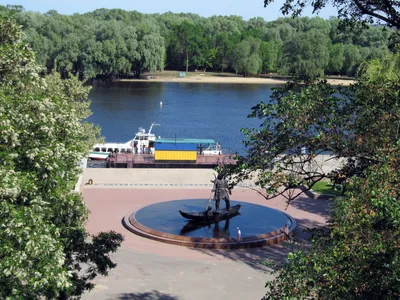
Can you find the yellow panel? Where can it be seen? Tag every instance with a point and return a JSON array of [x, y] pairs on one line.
[[175, 155]]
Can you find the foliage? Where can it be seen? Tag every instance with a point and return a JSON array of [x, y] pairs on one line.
[[336, 58], [306, 55], [357, 255], [43, 242], [352, 59], [350, 11], [245, 58], [188, 41], [353, 123], [150, 52], [116, 43], [270, 55], [381, 71]]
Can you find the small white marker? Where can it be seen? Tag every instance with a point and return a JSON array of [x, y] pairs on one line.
[[239, 235]]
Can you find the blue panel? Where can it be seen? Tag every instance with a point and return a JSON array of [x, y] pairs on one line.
[[175, 147]]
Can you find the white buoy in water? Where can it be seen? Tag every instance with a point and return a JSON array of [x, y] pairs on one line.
[[160, 103]]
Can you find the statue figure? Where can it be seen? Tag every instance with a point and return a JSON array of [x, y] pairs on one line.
[[221, 191]]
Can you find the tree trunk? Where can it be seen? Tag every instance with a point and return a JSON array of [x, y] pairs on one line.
[[137, 74], [187, 61]]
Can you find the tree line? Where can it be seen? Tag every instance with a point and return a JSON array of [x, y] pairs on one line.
[[114, 43]]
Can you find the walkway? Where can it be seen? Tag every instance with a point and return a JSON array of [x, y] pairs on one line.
[[152, 270]]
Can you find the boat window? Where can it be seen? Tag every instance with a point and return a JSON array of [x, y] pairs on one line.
[[116, 150], [129, 151], [97, 149], [122, 150], [109, 150], [103, 149]]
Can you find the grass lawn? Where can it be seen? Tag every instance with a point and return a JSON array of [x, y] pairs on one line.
[[325, 187]]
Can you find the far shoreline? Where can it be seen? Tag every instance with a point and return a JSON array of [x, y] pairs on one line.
[[207, 78]]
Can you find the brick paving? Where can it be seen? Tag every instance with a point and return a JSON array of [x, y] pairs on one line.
[[151, 270]]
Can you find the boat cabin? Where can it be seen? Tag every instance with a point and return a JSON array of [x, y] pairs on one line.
[[143, 142]]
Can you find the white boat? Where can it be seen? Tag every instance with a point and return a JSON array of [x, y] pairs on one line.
[[97, 155], [144, 143]]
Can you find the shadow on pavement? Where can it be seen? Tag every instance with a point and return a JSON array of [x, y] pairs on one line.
[[257, 258], [315, 206], [153, 295], [302, 225], [260, 258]]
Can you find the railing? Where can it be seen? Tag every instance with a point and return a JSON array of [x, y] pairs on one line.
[[224, 151]]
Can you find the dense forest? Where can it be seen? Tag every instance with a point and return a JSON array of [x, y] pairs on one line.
[[117, 43]]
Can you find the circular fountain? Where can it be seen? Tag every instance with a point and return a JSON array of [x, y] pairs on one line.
[[259, 225]]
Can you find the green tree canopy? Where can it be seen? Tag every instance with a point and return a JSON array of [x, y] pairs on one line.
[[245, 57], [355, 123], [113, 43], [336, 58], [357, 255], [270, 55], [306, 55], [43, 137], [150, 50], [352, 11]]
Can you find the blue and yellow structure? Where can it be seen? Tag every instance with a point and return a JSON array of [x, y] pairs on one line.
[[170, 149], [175, 152]]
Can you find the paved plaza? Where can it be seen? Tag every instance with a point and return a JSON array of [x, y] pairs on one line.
[[152, 270]]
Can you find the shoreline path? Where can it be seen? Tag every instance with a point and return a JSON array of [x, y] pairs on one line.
[[229, 79], [147, 269]]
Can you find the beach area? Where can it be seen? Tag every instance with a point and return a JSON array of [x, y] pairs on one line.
[[217, 78]]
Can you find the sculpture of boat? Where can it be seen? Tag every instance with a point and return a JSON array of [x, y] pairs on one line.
[[214, 216]]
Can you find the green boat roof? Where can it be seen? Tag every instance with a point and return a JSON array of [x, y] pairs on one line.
[[185, 141]]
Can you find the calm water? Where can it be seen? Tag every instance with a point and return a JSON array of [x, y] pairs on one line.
[[189, 110], [252, 220]]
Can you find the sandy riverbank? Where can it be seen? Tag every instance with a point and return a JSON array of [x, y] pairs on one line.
[[210, 78]]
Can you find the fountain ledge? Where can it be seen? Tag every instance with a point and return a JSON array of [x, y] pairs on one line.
[[268, 239]]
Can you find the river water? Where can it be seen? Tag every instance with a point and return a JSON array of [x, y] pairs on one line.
[[188, 110]]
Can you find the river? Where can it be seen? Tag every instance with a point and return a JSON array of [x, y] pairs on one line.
[[188, 110]]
